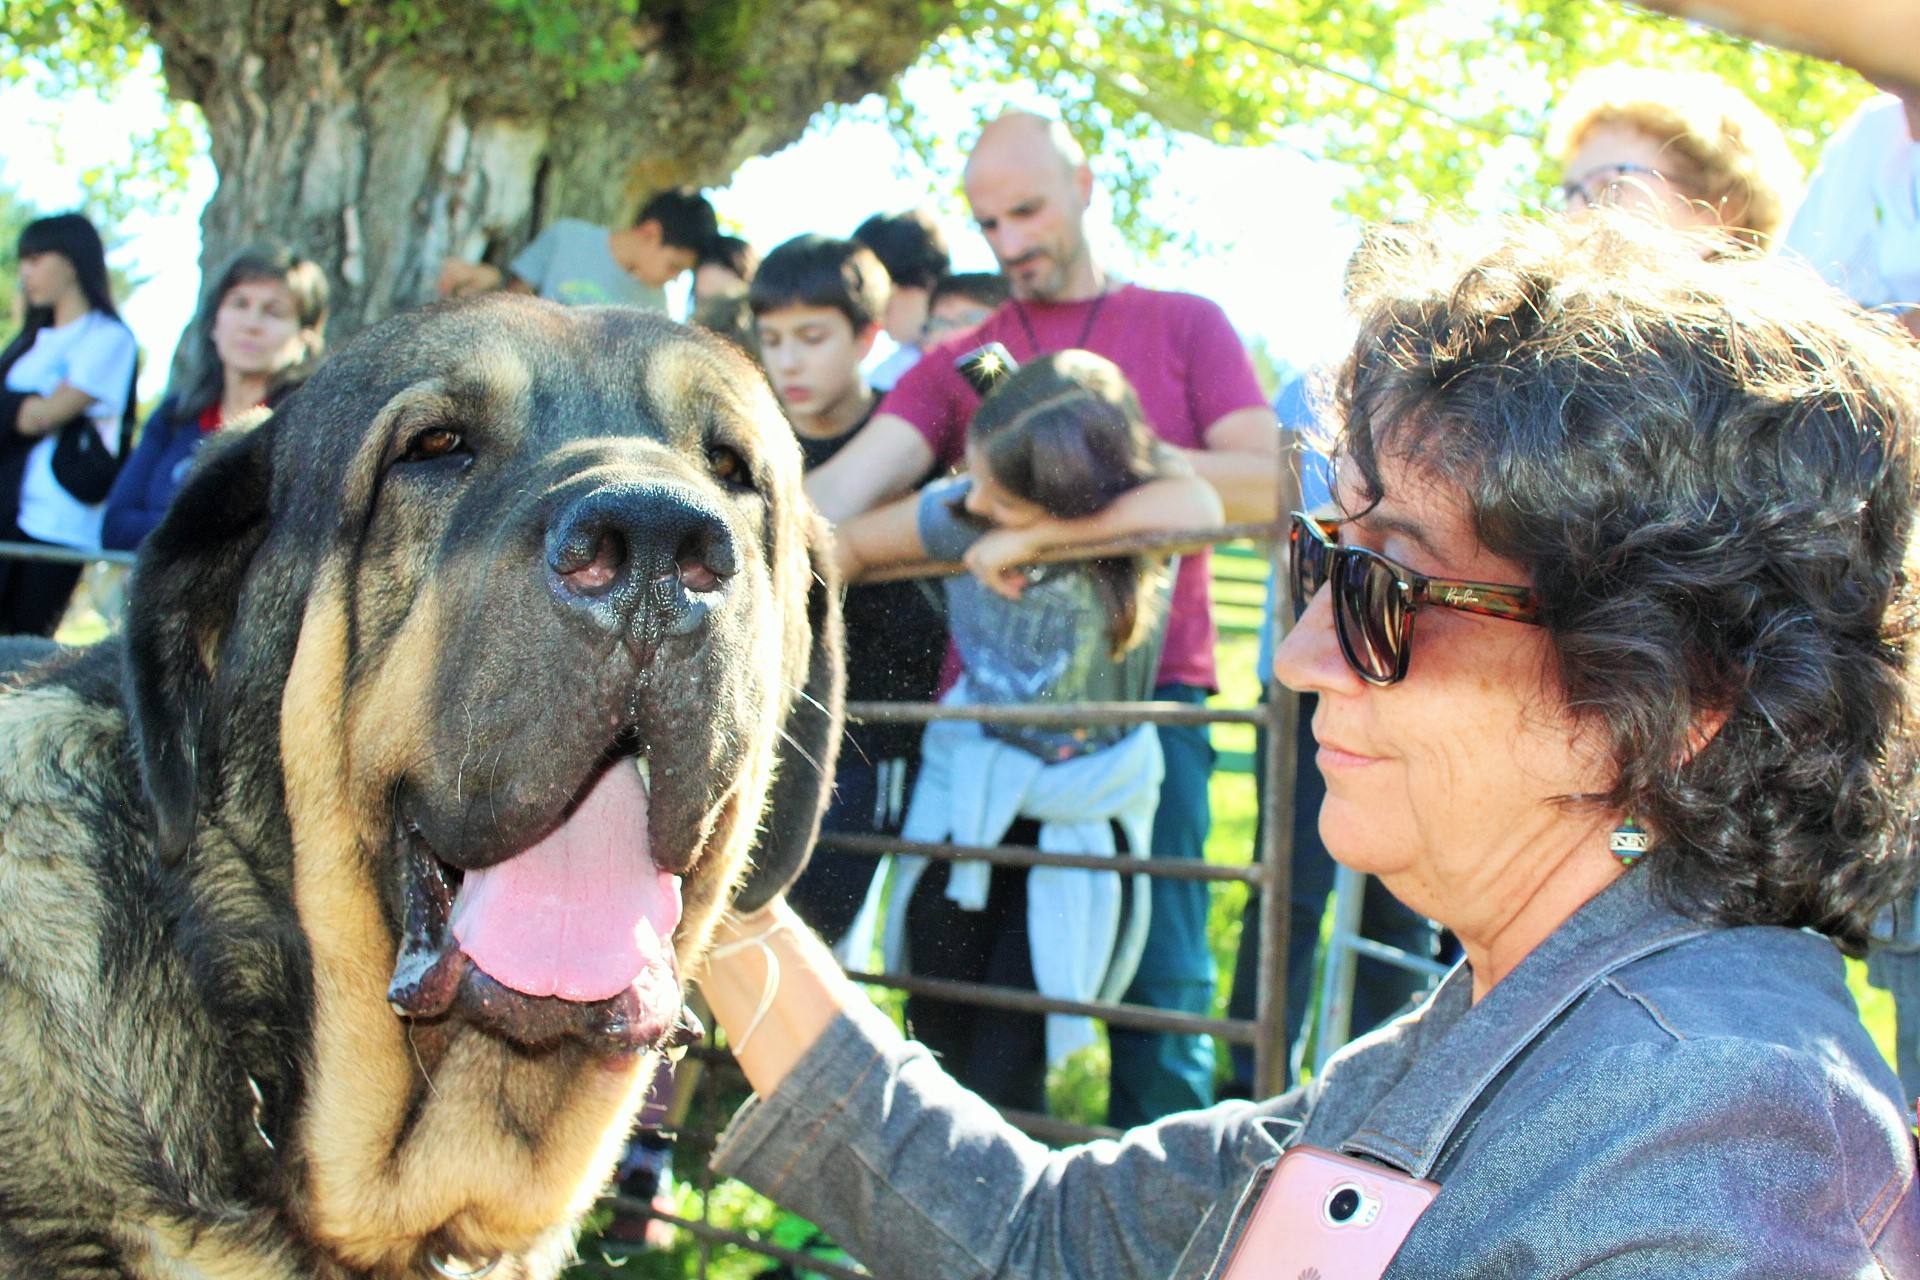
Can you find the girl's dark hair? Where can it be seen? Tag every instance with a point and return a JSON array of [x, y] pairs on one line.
[[74, 238], [1708, 469], [202, 379], [1066, 433]]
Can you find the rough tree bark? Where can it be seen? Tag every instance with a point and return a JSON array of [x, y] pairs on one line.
[[378, 148]]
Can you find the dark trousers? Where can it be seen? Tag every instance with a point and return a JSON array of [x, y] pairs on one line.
[[999, 1054], [1156, 1073], [868, 799], [33, 593], [1379, 990]]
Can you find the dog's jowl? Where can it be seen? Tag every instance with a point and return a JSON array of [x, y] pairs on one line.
[[348, 897]]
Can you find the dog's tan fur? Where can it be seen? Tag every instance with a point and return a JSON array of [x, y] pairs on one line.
[[143, 988]]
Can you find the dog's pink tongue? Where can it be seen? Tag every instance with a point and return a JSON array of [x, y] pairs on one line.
[[583, 913]]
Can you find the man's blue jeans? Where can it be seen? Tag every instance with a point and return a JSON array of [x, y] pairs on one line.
[[1156, 1074]]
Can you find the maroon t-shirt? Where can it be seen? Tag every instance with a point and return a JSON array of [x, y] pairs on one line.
[[1185, 362]]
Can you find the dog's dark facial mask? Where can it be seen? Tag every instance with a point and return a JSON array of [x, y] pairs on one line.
[[557, 624]]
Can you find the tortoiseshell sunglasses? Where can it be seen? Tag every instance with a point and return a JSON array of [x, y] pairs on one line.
[[1374, 598]]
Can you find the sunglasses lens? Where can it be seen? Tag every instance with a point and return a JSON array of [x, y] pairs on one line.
[[1307, 557], [1371, 617]]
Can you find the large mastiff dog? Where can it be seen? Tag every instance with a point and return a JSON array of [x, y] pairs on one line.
[[344, 902]]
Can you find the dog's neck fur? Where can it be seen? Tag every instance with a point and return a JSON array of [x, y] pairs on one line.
[[418, 1140]]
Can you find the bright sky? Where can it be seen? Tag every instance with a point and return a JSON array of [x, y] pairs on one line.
[[1270, 248]]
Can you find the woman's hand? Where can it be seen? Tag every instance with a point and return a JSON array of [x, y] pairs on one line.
[[996, 559], [774, 988]]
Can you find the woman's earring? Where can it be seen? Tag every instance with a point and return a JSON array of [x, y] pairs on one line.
[[1628, 842]]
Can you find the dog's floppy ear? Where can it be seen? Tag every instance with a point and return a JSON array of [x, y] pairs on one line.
[[809, 744], [181, 600]]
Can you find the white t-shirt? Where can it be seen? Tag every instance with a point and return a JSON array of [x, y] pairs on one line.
[[1860, 223], [94, 354], [883, 375]]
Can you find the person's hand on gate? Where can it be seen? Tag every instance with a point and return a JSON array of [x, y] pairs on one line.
[[996, 559]]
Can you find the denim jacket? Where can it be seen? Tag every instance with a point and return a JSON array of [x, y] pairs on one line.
[[1643, 1096]]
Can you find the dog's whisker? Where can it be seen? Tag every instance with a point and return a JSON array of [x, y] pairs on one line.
[[801, 751], [426, 1075]]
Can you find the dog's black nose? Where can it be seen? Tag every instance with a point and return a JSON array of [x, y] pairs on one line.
[[648, 556]]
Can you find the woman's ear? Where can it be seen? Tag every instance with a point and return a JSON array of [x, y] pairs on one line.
[[181, 601]]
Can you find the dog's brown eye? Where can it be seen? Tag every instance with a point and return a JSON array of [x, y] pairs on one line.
[[434, 442], [727, 465]]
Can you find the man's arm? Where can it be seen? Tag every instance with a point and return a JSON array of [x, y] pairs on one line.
[[460, 279], [885, 536], [879, 463], [1242, 463]]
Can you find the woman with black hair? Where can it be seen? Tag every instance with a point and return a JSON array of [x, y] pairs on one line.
[[68, 390], [1615, 633], [259, 333]]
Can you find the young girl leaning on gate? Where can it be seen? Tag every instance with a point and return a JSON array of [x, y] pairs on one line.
[[1058, 454]]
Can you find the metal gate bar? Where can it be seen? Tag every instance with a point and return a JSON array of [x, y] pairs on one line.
[[1019, 855]]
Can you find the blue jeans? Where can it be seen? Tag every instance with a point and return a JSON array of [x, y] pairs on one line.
[[1156, 1073]]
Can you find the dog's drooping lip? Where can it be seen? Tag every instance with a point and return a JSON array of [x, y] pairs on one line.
[[568, 939]]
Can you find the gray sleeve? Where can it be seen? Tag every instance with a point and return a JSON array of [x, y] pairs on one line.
[[943, 531], [915, 1176], [533, 263]]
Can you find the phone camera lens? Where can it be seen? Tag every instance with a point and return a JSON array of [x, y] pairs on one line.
[[1343, 1204]]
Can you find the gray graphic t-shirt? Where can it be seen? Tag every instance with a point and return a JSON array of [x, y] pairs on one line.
[[1049, 645], [570, 262]]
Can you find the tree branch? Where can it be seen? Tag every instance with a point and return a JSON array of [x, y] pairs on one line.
[[1485, 128]]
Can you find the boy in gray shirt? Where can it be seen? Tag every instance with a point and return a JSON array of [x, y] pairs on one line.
[[580, 264]]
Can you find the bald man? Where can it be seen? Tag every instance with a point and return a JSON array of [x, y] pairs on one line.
[[1029, 188]]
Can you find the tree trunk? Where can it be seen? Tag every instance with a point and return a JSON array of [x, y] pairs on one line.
[[378, 153]]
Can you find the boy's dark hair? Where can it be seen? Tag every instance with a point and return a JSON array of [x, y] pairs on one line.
[[685, 218], [731, 252], [909, 245], [817, 271], [988, 288]]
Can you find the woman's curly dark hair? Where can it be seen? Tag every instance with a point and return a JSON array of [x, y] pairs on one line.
[[1707, 465]]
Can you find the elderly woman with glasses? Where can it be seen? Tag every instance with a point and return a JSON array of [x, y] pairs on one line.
[[1613, 632], [1682, 147]]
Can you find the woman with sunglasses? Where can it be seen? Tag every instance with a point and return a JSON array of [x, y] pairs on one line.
[[1614, 637]]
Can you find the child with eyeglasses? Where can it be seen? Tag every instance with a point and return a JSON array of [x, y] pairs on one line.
[[1059, 441]]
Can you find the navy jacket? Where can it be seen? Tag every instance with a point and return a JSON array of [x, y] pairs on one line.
[[150, 478]]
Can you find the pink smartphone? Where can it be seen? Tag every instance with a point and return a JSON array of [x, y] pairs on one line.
[[1325, 1216]]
